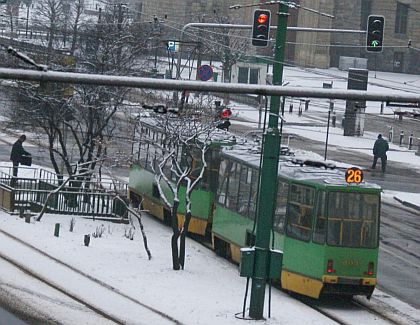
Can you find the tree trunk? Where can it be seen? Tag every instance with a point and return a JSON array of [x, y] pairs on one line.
[[175, 236], [182, 242]]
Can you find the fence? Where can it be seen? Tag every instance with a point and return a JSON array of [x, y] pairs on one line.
[[88, 197]]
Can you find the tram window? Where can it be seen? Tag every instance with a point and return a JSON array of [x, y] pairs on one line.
[[352, 219], [299, 213], [321, 220], [253, 194], [223, 181], [143, 153], [233, 186], [244, 190], [281, 203], [213, 163]]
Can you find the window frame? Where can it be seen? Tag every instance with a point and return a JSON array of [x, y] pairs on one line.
[[401, 18]]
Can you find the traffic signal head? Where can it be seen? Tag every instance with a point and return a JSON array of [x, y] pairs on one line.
[[375, 33], [225, 113], [261, 27]]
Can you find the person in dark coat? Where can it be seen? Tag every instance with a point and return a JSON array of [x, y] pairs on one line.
[[379, 151], [16, 156]]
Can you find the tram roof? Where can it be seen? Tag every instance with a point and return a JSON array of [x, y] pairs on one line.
[[294, 168]]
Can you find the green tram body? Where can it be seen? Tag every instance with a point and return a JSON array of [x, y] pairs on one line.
[[325, 248], [328, 230]]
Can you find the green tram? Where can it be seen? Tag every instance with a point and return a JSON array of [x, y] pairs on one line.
[[327, 229]]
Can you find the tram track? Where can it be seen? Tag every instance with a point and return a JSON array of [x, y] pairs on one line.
[[349, 312], [347, 316], [148, 314]]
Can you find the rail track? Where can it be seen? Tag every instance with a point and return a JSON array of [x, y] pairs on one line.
[[102, 299]]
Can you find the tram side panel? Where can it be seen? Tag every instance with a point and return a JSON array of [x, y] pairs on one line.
[[143, 183]]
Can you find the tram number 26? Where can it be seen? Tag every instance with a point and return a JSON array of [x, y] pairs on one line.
[[354, 175]]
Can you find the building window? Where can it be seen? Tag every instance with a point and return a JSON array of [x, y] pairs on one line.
[[401, 18], [253, 76], [248, 75], [243, 75], [365, 10]]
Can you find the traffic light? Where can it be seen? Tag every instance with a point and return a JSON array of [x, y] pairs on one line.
[[224, 124], [225, 113], [375, 33], [261, 27]]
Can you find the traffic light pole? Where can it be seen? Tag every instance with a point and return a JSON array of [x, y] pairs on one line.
[[269, 172]]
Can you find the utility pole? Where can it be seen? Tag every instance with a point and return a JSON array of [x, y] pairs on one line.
[[269, 172]]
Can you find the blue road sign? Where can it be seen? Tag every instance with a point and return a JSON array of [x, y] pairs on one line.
[[172, 46], [205, 72]]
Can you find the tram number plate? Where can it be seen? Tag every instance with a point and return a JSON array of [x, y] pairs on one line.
[[354, 175]]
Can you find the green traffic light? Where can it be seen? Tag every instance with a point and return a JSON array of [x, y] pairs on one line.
[[375, 43]]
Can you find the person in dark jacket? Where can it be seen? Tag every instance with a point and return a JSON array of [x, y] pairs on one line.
[[16, 157], [379, 151]]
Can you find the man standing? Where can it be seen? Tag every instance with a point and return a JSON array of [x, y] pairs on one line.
[[379, 151], [16, 157]]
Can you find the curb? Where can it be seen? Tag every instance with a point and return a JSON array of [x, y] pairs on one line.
[[408, 204]]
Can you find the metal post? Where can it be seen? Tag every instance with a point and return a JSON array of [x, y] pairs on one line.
[[307, 104], [328, 132], [333, 120], [391, 134], [268, 174], [401, 137], [57, 230], [291, 108], [410, 141], [27, 19], [382, 108]]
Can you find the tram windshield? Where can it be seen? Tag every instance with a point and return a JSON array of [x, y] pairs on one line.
[[353, 219]]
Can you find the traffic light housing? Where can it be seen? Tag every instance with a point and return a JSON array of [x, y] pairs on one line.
[[375, 33], [225, 113], [261, 27]]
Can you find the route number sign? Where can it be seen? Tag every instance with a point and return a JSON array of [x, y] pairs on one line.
[[354, 175]]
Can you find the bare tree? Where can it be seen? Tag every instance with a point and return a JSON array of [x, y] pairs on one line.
[[49, 19], [80, 121], [182, 163]]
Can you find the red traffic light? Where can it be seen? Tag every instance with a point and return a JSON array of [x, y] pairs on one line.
[[262, 18], [225, 113]]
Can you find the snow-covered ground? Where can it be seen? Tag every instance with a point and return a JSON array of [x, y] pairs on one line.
[[208, 291]]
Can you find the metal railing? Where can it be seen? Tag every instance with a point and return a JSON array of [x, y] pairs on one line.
[[93, 198]]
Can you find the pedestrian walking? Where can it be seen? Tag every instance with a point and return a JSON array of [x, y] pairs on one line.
[[19, 156], [379, 151]]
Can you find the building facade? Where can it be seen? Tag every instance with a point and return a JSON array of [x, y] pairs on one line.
[[402, 24], [311, 49]]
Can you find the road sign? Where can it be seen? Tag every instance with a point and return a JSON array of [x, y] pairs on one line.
[[172, 46], [205, 72]]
